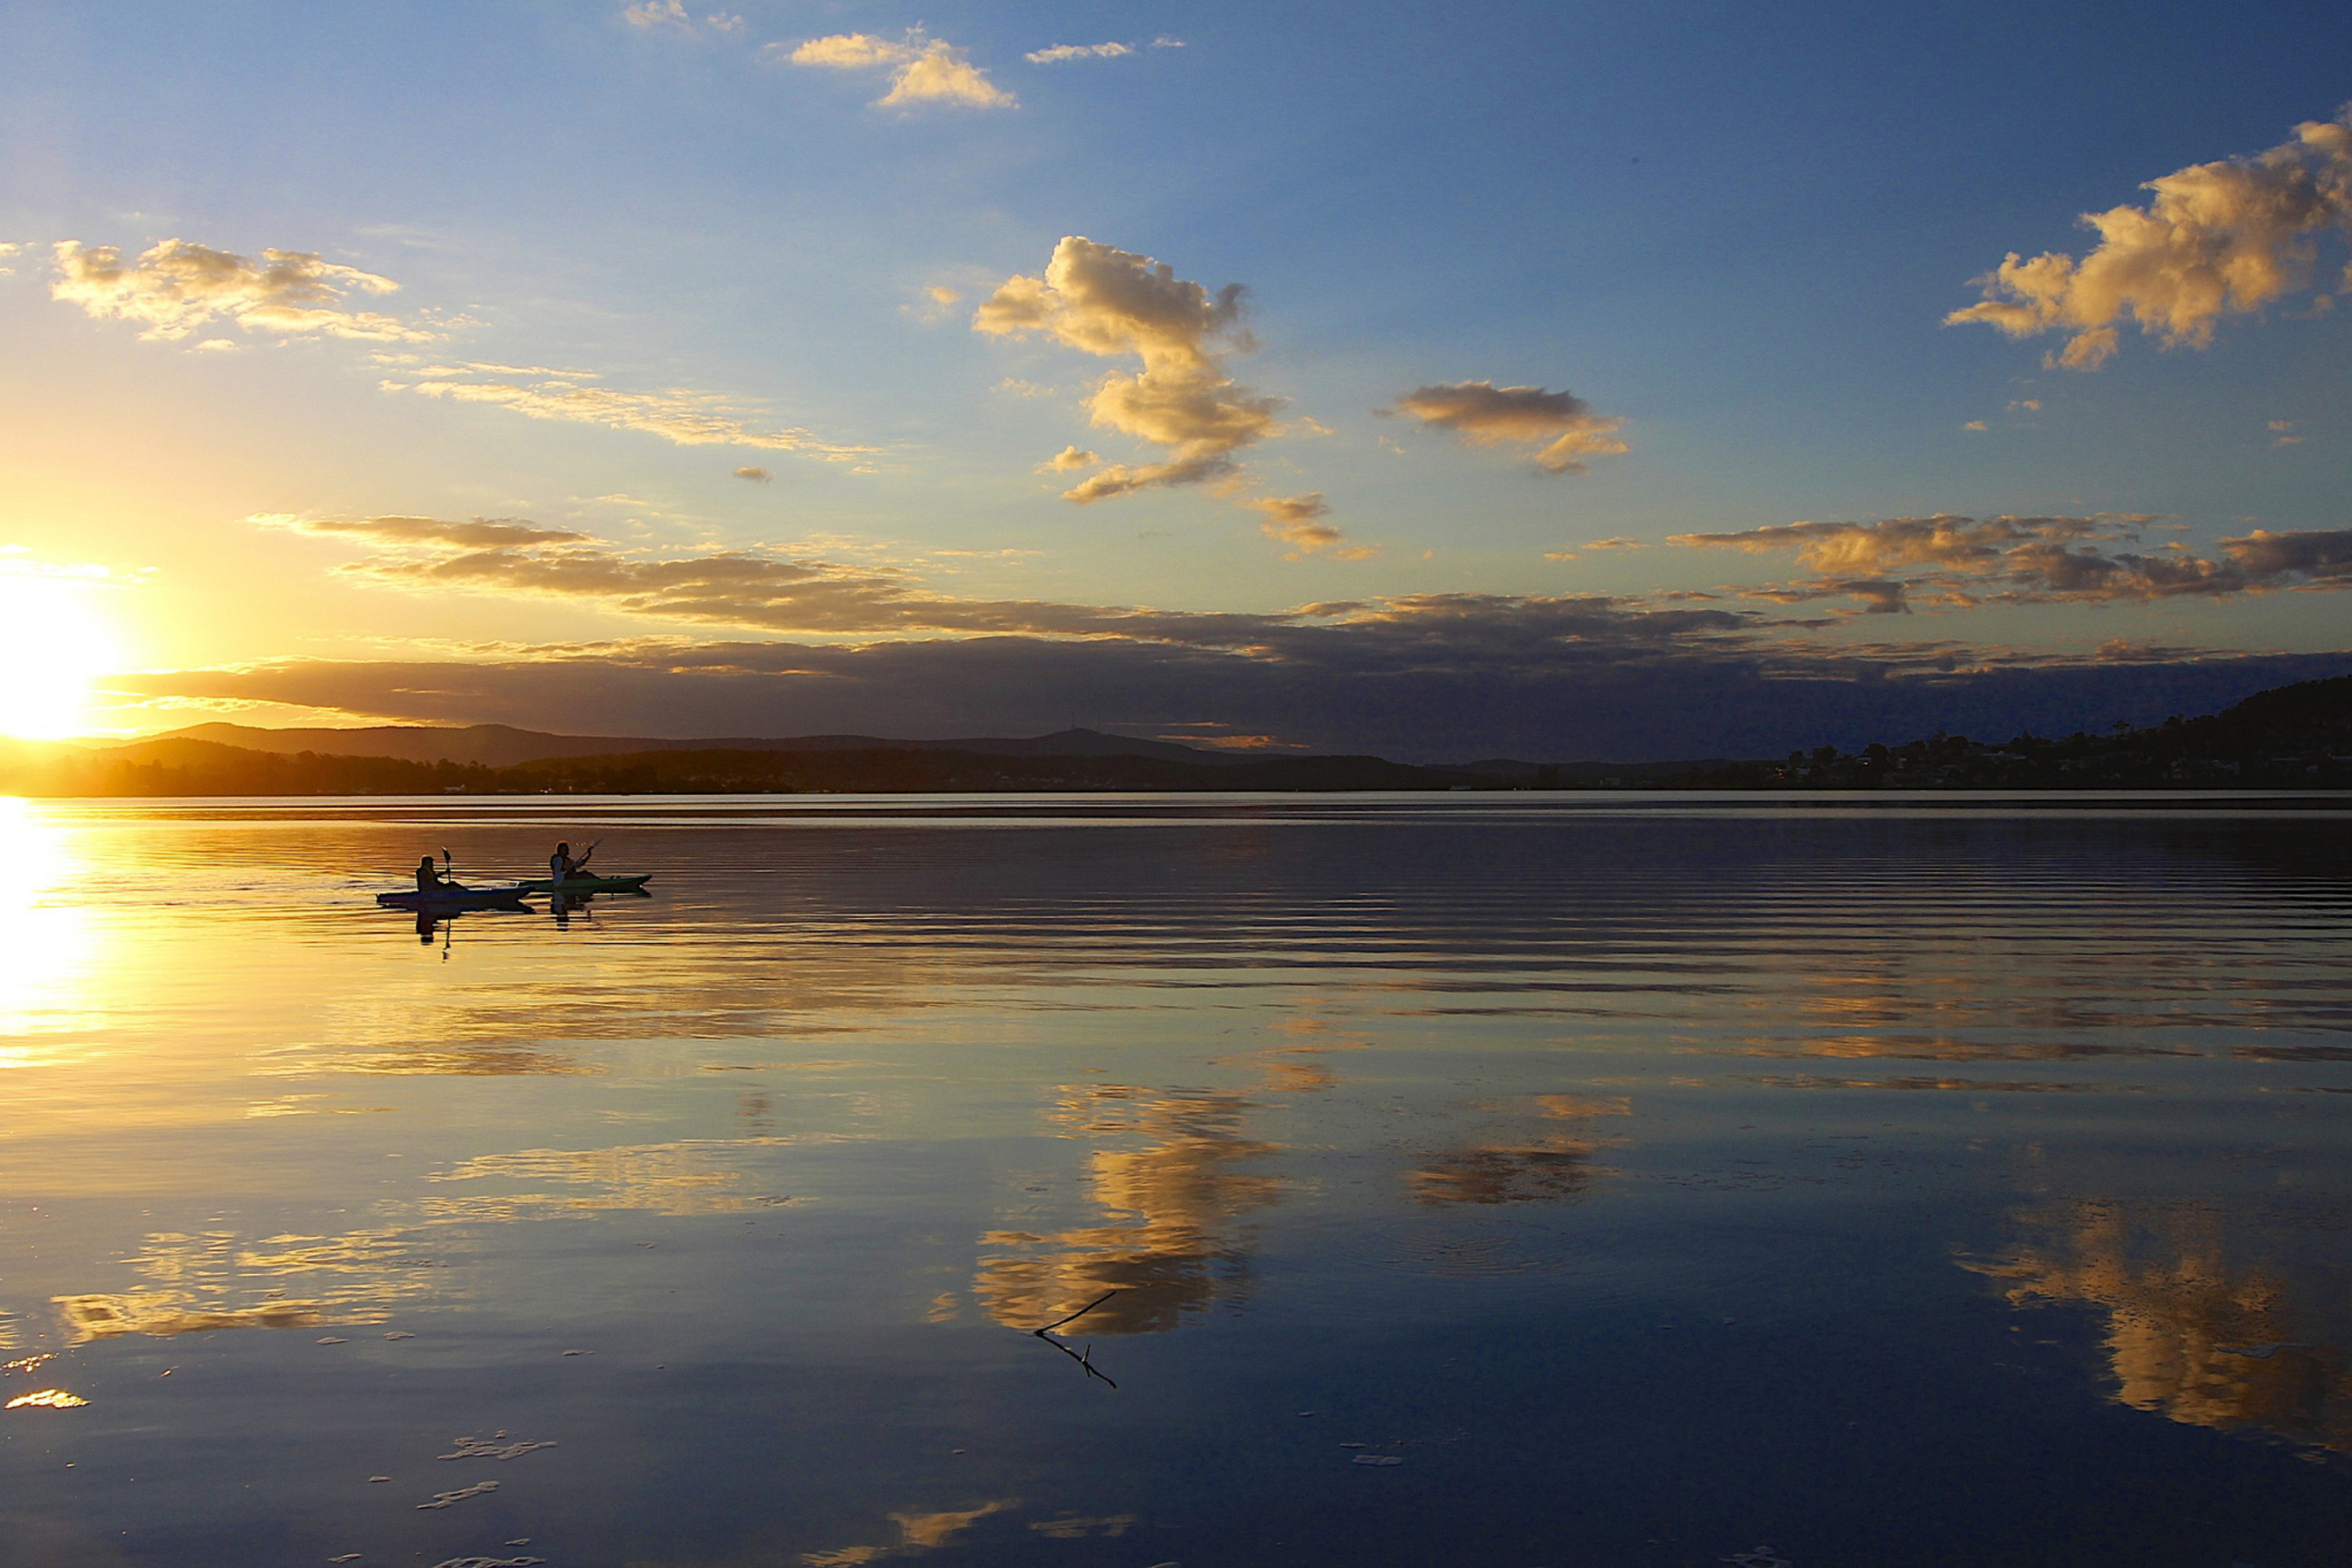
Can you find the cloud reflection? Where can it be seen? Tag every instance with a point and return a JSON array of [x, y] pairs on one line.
[[2196, 1330], [1170, 1248]]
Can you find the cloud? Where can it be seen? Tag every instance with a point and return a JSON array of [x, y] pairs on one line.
[[922, 70], [756, 475], [679, 415], [2215, 240], [1061, 52], [1165, 42], [1562, 424], [1974, 425], [1068, 459], [2322, 557], [649, 14], [2283, 433], [1964, 561], [176, 286], [753, 590], [481, 533], [1298, 522], [1113, 304]]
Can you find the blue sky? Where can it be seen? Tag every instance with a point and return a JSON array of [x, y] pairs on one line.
[[1729, 236]]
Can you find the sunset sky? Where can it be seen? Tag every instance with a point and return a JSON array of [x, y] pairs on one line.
[[1553, 380]]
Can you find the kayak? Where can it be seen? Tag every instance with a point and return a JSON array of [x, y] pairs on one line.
[[577, 885], [455, 898]]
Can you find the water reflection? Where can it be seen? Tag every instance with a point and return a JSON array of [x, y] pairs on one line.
[[1410, 1087], [2201, 1327], [1554, 1166], [1171, 1247], [918, 1532], [49, 936], [203, 1283], [702, 1177]]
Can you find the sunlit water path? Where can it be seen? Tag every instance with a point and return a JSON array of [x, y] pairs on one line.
[[1509, 1180]]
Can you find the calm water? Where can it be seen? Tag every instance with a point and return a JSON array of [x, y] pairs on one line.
[[1520, 1180]]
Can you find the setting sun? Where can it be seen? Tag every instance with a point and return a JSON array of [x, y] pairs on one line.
[[53, 645]]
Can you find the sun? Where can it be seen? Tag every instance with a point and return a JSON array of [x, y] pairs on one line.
[[53, 645]]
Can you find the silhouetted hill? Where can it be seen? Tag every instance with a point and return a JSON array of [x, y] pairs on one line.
[[503, 746], [2291, 737], [181, 764]]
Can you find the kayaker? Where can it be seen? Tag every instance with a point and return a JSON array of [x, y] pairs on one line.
[[562, 867], [429, 878]]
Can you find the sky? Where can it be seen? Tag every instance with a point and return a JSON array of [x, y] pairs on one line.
[[1555, 381]]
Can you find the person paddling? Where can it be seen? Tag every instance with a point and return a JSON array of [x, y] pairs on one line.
[[562, 868], [429, 878]]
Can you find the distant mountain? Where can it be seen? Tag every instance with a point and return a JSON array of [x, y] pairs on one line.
[[181, 765], [504, 746]]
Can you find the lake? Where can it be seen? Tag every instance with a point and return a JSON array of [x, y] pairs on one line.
[[1534, 1180]]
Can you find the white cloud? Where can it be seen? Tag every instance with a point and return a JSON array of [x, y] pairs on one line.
[[1069, 459], [922, 70], [176, 286], [1561, 422], [1062, 52], [1164, 42], [658, 14], [2216, 240], [687, 417]]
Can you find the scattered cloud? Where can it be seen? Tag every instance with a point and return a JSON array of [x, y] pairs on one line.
[[1300, 522], [922, 70], [1974, 424], [652, 14], [2283, 433], [1061, 52], [1560, 424], [942, 295], [1113, 304], [177, 286], [1069, 459], [680, 415], [1961, 561], [1165, 42], [425, 532], [758, 476], [2215, 240], [2025, 405], [1020, 388]]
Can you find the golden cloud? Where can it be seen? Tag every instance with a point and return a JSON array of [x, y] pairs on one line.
[[1113, 304], [922, 70], [1560, 424], [678, 415], [177, 286], [2215, 240], [2030, 560]]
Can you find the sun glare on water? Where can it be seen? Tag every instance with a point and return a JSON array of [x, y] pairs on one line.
[[53, 646]]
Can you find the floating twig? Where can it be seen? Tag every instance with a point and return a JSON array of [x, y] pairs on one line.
[[1074, 1317], [1084, 1358]]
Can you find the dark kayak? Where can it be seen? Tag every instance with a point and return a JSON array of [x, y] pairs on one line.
[[455, 898], [574, 885]]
